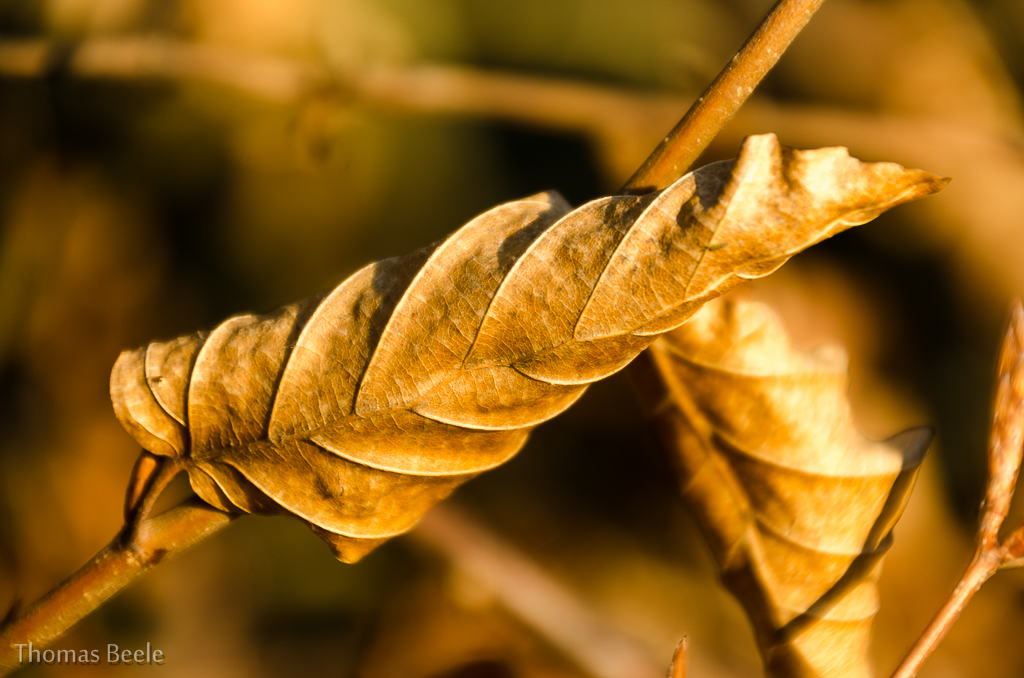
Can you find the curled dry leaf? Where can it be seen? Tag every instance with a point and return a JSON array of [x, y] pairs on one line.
[[797, 505], [358, 411]]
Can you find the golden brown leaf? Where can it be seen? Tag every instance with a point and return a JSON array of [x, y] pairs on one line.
[[358, 411], [797, 505]]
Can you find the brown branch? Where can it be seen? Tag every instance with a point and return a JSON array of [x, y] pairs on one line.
[[705, 119], [620, 120], [105, 574], [266, 77], [422, 88], [1006, 447], [983, 566], [443, 89]]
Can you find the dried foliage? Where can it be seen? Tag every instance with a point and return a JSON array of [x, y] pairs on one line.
[[358, 411], [797, 505]]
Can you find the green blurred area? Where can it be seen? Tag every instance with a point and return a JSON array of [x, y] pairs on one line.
[[137, 208]]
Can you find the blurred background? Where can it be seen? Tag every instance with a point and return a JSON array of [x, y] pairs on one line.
[[167, 163]]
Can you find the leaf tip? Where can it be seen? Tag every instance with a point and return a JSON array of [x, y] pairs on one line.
[[347, 549], [933, 184], [914, 443], [677, 669]]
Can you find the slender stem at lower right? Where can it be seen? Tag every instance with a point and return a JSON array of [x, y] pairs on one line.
[[983, 566]]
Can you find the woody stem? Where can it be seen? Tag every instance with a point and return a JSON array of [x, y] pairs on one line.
[[108, 572], [723, 97]]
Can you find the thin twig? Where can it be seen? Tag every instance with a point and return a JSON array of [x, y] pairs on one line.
[[983, 566], [423, 88], [1006, 447], [269, 78], [105, 574], [705, 119]]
